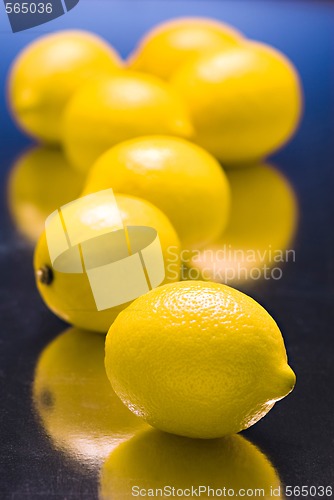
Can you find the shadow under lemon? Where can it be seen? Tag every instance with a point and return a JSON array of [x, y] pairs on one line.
[[152, 460], [39, 182], [75, 402], [259, 237]]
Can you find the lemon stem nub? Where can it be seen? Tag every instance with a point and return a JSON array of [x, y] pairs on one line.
[[44, 275]]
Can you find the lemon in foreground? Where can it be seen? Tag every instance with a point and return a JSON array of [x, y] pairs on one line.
[[40, 181], [197, 359], [69, 295], [74, 400], [180, 178], [119, 107], [258, 239], [48, 71], [153, 460], [170, 44], [245, 103]]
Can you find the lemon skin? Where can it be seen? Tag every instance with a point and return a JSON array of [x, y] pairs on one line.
[[122, 106], [197, 359], [69, 295], [180, 178], [170, 44], [46, 74], [245, 103]]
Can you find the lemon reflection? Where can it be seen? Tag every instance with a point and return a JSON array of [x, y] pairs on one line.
[[39, 182], [73, 397], [262, 226], [152, 460]]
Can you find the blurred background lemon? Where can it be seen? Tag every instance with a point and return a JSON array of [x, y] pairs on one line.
[[166, 47], [244, 103], [180, 178], [39, 182], [262, 225], [112, 109], [69, 295], [152, 459], [74, 401], [47, 72]]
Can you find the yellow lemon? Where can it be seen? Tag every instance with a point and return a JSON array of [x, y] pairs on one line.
[[258, 238], [48, 71], [197, 359], [40, 181], [74, 400], [165, 48], [152, 461], [245, 103], [69, 295], [120, 107], [180, 178]]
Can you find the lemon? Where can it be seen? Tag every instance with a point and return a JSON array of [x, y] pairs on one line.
[[165, 48], [153, 460], [245, 103], [119, 107], [180, 178], [74, 400], [48, 71], [259, 236], [69, 295], [40, 181], [197, 359]]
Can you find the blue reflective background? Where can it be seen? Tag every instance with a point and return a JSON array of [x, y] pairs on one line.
[[298, 435]]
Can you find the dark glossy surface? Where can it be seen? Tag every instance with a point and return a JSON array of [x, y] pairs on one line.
[[297, 436]]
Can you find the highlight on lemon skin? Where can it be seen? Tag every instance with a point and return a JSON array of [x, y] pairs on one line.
[[152, 460], [197, 359], [122, 106], [69, 295], [170, 44], [259, 239], [179, 177], [74, 401], [46, 74], [245, 103], [39, 182]]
